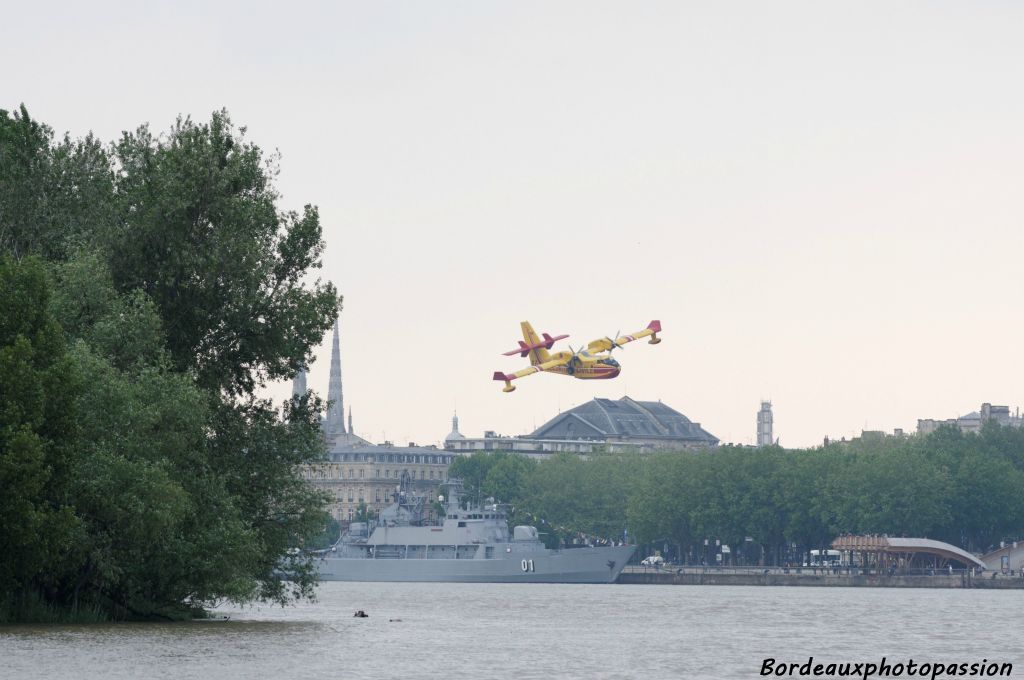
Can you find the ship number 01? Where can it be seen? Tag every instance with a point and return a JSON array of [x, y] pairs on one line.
[[528, 565]]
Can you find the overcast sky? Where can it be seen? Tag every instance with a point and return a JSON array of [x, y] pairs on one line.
[[821, 202]]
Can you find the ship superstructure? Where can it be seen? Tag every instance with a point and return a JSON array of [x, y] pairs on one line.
[[471, 544]]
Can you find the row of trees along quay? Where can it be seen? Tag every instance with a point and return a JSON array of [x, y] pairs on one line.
[[149, 287], [770, 506]]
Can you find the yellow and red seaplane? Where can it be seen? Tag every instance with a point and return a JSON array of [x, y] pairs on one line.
[[595, 362]]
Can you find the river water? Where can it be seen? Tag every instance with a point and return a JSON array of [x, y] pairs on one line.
[[519, 631]]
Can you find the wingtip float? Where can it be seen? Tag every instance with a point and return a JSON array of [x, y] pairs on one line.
[[594, 362]]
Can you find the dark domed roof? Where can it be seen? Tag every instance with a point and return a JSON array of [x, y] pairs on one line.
[[625, 419]]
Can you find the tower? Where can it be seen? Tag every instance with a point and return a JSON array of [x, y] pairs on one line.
[[764, 425], [335, 423], [454, 434], [299, 383]]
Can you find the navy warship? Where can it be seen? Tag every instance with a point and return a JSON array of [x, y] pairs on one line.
[[471, 544]]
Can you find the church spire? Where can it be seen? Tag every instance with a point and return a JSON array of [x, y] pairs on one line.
[[350, 429], [336, 410]]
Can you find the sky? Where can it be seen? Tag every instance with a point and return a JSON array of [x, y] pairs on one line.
[[821, 202]]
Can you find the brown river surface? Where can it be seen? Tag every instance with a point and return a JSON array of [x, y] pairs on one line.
[[505, 631]]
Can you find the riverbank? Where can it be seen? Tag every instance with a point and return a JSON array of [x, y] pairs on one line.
[[768, 577]]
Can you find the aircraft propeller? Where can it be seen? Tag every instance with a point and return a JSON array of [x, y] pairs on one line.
[[574, 359], [614, 343]]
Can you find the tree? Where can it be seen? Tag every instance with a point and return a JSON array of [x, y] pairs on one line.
[[199, 231], [506, 477], [896, 492], [472, 470], [53, 197], [150, 479], [38, 387]]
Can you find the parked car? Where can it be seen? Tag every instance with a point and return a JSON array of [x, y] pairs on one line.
[[652, 561]]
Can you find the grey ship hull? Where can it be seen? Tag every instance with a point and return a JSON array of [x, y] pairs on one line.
[[575, 565]]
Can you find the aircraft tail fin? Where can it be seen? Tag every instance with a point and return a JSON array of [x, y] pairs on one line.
[[538, 355]]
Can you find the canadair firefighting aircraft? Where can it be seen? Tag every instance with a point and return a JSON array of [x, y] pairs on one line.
[[593, 363]]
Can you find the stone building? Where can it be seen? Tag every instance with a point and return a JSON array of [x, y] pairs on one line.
[[650, 424], [357, 472], [973, 421], [620, 426], [371, 474], [539, 449]]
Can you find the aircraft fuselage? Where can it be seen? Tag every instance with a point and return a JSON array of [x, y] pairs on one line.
[[587, 366]]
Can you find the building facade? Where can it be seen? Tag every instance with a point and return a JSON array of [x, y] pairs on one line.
[[539, 449], [975, 420], [370, 475]]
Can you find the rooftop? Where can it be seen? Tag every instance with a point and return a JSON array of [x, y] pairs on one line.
[[625, 418]]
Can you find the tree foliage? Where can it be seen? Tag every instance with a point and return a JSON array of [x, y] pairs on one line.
[[148, 288], [37, 430], [199, 231], [771, 505]]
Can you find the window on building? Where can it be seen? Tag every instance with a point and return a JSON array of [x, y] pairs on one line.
[[376, 494], [350, 494], [361, 473], [431, 474], [376, 473]]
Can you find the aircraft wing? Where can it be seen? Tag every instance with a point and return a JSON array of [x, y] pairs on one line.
[[605, 344], [537, 368], [529, 370]]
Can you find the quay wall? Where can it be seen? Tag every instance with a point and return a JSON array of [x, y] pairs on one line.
[[713, 578]]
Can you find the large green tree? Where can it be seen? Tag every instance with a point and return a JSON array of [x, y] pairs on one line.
[[200, 232], [146, 475]]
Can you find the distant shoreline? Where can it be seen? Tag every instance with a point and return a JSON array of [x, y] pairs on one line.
[[696, 576]]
